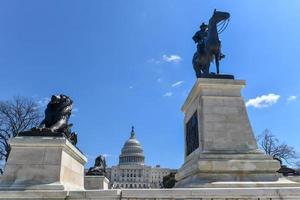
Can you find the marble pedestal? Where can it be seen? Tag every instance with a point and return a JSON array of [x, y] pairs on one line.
[[43, 163], [220, 147], [96, 183]]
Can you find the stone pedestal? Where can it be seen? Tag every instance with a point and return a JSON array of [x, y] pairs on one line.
[[96, 183], [43, 163], [220, 147]]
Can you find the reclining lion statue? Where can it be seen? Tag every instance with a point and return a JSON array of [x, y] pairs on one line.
[[99, 168], [57, 115]]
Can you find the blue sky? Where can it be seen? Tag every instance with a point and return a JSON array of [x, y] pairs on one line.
[[128, 63]]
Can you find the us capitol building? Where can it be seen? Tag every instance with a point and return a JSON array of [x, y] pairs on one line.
[[131, 172]]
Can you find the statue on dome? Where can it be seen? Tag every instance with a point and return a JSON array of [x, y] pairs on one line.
[[99, 168]]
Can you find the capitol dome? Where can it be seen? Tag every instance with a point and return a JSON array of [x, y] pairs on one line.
[[132, 152]]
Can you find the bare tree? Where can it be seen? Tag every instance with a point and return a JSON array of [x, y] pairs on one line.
[[16, 115], [271, 146]]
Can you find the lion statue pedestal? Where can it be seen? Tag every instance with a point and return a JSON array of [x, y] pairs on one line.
[[45, 157], [43, 163]]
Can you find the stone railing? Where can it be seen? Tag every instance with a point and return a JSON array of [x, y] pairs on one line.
[[160, 194]]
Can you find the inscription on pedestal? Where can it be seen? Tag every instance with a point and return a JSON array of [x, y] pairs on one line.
[[192, 138]]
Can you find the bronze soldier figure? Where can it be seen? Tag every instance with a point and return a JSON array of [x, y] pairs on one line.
[[200, 36]]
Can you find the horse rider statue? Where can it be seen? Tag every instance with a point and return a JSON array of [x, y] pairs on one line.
[[209, 45]]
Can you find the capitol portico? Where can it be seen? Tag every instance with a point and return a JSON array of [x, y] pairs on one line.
[[131, 172]]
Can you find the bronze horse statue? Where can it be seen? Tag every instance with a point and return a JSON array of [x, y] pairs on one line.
[[211, 45]]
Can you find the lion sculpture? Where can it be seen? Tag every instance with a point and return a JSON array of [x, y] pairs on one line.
[[57, 115], [99, 168]]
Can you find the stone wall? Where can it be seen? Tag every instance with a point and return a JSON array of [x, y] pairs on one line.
[[43, 163], [160, 194]]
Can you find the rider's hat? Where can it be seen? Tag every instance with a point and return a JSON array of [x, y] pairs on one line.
[[203, 26]]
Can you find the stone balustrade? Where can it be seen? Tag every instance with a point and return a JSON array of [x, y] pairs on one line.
[[160, 194]]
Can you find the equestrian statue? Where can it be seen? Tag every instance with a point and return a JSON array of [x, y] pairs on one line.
[[209, 45]]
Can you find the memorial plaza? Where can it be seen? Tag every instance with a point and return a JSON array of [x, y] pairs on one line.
[[198, 79]]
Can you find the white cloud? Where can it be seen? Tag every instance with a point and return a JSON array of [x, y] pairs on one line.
[[172, 58], [130, 87], [263, 101], [168, 94], [177, 84], [159, 80], [292, 98]]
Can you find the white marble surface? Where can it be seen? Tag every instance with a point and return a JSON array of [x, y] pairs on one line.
[[43, 163], [271, 193], [96, 183], [227, 149]]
